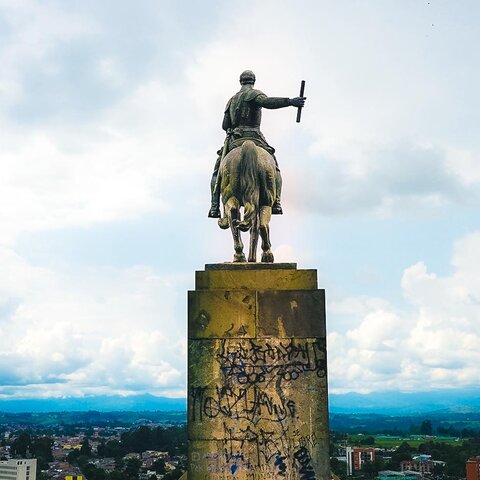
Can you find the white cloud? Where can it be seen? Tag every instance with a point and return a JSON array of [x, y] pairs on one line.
[[43, 187], [100, 133], [105, 329], [368, 144], [109, 112], [431, 344], [377, 138], [32, 30]]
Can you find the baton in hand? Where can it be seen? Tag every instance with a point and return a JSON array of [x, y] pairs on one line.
[[302, 91]]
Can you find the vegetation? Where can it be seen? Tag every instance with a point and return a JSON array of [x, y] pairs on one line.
[[462, 425], [454, 454], [172, 440], [69, 423], [38, 447], [451, 439], [384, 441]]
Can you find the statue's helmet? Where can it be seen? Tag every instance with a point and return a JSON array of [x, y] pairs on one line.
[[247, 77]]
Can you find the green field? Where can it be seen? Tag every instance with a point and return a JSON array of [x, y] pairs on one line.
[[384, 441]]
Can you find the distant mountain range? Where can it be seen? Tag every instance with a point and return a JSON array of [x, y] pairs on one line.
[[386, 403], [400, 403], [104, 403]]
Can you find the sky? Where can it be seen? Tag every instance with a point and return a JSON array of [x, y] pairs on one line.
[[110, 119]]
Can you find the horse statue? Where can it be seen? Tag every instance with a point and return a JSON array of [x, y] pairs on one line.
[[247, 179]]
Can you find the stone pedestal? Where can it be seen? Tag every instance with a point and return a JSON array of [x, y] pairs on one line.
[[257, 374]]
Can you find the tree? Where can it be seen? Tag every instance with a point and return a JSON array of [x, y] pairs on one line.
[[371, 469], [73, 456], [119, 464], [82, 460], [159, 466], [338, 467], [132, 468], [366, 441], [41, 448], [175, 475], [403, 452], [426, 427], [94, 473], [113, 448], [117, 475], [21, 444], [41, 475], [85, 448]]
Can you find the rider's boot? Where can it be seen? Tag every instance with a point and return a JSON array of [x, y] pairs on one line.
[[214, 211], [277, 207]]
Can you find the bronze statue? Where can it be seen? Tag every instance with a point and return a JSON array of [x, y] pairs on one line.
[[246, 173], [241, 121]]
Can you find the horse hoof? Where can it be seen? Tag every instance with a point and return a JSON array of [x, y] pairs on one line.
[[243, 227], [223, 223], [240, 258], [277, 209], [267, 257]]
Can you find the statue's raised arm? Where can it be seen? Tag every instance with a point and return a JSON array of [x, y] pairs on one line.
[[241, 121], [279, 102]]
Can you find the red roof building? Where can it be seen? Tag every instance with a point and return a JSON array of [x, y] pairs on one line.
[[357, 457], [473, 468]]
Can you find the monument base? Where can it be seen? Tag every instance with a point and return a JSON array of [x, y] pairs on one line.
[[257, 374]]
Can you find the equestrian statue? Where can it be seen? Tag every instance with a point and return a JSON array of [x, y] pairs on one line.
[[246, 172]]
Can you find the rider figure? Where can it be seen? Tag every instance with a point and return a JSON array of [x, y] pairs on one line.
[[241, 121]]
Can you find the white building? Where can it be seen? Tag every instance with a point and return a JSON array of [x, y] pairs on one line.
[[18, 469]]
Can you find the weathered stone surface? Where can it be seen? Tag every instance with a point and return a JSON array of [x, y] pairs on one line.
[[266, 279], [203, 366], [291, 313], [257, 376], [259, 383], [250, 266], [221, 314], [289, 456]]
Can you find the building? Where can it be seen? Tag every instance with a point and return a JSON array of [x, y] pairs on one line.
[[18, 469], [473, 468], [356, 458], [413, 465], [422, 464], [107, 464], [63, 470], [393, 475]]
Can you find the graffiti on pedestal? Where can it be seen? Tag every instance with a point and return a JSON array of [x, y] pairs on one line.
[[251, 404], [252, 363], [254, 403]]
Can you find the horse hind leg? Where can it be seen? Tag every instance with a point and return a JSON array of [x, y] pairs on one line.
[[252, 254], [267, 255], [264, 229], [234, 216]]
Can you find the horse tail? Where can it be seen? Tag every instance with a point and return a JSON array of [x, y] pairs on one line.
[[249, 183]]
